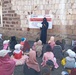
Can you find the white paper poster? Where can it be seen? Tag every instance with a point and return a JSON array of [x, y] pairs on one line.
[[36, 20]]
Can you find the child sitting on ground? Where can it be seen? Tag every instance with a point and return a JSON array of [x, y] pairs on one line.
[[26, 46], [46, 70], [18, 55], [39, 48], [48, 55], [70, 60], [7, 65], [22, 41], [52, 42], [12, 44], [17, 52], [6, 44], [57, 50]]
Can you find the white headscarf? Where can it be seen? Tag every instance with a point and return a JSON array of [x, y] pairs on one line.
[[6, 41], [4, 52], [71, 53], [0, 36], [17, 48]]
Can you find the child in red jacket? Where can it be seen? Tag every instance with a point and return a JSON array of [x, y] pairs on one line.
[[17, 52]]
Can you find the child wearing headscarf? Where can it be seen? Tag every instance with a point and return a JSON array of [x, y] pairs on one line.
[[18, 56], [39, 48], [57, 50], [70, 60], [26, 45], [48, 55], [64, 73], [34, 46], [52, 42], [73, 71], [12, 43], [22, 41], [31, 66], [6, 44], [7, 65], [17, 52]]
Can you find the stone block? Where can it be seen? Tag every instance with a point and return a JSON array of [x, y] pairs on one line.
[[57, 1], [72, 27], [74, 22], [69, 17], [53, 1], [72, 1], [56, 6], [69, 11], [62, 1], [44, 1], [69, 31], [53, 6], [74, 6], [74, 32], [62, 6], [38, 2], [74, 11], [73, 17], [62, 11], [40, 7], [46, 11], [43, 12], [70, 22]]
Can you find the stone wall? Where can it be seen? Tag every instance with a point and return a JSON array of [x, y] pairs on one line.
[[15, 17]]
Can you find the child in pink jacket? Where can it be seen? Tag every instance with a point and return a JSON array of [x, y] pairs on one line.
[[49, 56]]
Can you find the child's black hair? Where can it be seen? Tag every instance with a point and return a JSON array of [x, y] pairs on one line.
[[48, 48], [37, 39], [50, 64]]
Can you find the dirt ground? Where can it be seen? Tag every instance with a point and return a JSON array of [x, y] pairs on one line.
[[19, 69]]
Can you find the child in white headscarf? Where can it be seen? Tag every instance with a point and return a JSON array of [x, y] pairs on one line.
[[6, 44], [17, 52], [18, 56], [70, 60]]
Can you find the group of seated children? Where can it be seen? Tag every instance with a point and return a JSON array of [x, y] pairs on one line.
[[17, 55]]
